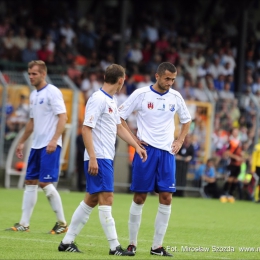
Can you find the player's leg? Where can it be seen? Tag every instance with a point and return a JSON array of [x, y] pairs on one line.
[[166, 186], [30, 193], [104, 183], [49, 173], [82, 213], [143, 181], [79, 219]]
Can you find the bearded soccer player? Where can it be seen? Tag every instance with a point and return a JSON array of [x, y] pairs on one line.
[[155, 107]]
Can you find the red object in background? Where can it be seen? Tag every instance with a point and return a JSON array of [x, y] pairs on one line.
[[19, 166]]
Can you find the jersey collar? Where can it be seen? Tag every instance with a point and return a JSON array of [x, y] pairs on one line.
[[106, 93], [42, 88], [161, 94]]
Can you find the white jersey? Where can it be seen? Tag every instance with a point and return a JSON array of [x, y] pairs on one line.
[[102, 116], [155, 115], [45, 106]]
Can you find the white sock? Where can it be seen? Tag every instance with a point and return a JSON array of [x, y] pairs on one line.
[[134, 222], [78, 220], [55, 201], [108, 225], [161, 224], [29, 200]]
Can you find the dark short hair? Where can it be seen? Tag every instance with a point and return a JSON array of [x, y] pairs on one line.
[[113, 73], [166, 66]]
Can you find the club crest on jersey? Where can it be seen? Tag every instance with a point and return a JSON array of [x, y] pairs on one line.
[[110, 110], [41, 101], [150, 105], [171, 107]]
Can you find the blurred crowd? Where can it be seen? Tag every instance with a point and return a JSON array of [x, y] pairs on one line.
[[205, 56]]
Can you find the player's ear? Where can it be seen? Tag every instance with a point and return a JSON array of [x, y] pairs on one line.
[[156, 76], [120, 81]]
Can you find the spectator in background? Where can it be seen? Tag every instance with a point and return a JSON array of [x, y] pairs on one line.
[[206, 172], [67, 31], [235, 153], [11, 52], [187, 91], [21, 39], [54, 32], [199, 92], [20, 116], [226, 94], [172, 55], [219, 82], [191, 69], [146, 82], [43, 53], [256, 85], [37, 39], [89, 85], [28, 53], [215, 68], [183, 158]]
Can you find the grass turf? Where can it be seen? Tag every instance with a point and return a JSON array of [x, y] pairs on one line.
[[200, 224]]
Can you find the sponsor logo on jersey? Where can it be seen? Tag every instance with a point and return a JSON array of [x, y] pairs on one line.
[[171, 107], [150, 105], [41, 101], [110, 110], [163, 108]]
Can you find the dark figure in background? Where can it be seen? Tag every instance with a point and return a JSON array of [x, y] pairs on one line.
[[183, 158], [81, 182]]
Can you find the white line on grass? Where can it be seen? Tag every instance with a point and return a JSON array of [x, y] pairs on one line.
[[140, 250]]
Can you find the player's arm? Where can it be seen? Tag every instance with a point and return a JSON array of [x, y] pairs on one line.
[[27, 132], [125, 135], [176, 145], [51, 147], [88, 142]]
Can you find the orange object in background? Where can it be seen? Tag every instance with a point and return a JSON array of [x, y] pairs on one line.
[[19, 166]]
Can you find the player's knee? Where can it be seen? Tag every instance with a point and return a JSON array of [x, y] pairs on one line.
[[44, 184], [139, 198], [165, 198], [31, 182]]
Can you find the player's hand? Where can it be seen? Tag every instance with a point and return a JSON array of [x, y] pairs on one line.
[[142, 153], [176, 146], [51, 147], [19, 150], [93, 166]]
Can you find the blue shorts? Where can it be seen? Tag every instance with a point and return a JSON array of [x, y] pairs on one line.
[[104, 180], [43, 166], [157, 173]]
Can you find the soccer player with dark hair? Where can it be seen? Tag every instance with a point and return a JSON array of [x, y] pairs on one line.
[[100, 127], [155, 106]]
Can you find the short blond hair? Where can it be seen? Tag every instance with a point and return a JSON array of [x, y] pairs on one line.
[[41, 64]]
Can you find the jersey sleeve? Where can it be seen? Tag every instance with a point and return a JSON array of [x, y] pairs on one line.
[[94, 108], [182, 111], [57, 102], [133, 103]]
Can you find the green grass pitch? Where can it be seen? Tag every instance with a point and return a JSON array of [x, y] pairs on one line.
[[196, 224]]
